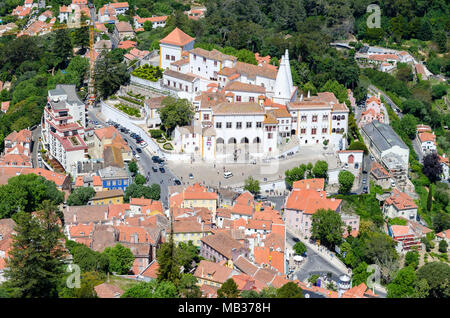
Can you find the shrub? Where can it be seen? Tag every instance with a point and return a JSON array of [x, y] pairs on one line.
[[168, 146], [156, 133], [161, 140], [148, 72]]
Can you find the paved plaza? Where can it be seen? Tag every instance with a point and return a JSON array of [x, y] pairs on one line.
[[212, 174]]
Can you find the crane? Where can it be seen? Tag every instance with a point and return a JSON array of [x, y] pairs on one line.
[[90, 25]]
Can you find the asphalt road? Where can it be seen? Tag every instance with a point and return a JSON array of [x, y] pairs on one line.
[[315, 264], [145, 163]]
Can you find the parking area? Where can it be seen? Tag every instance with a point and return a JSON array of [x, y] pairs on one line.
[[213, 174]]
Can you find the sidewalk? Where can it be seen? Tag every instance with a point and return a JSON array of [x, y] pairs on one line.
[[326, 254]]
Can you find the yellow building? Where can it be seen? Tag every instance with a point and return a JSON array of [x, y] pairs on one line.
[[195, 196], [108, 197], [189, 230]]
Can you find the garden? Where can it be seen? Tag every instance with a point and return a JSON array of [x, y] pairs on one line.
[[161, 138], [129, 110], [148, 72]]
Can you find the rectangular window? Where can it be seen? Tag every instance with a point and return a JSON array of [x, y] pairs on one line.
[[251, 99], [314, 118], [228, 124], [325, 117], [324, 130], [218, 125], [269, 135], [238, 98], [303, 118], [313, 131], [206, 117], [215, 63], [238, 125], [204, 59], [173, 58], [259, 124], [249, 124], [303, 130], [167, 57]]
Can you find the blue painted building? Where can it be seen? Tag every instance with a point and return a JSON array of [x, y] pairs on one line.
[[114, 178]]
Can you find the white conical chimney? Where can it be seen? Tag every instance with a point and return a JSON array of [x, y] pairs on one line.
[[309, 94]]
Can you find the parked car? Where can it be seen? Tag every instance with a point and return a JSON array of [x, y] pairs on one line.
[[177, 182], [143, 144], [227, 174], [139, 150], [364, 181], [191, 176], [137, 157], [162, 169], [154, 169], [134, 153]]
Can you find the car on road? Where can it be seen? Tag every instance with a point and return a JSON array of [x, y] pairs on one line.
[[365, 189], [191, 176], [154, 169], [143, 144], [372, 158], [364, 181], [177, 182], [139, 150], [125, 140], [227, 174], [162, 169], [295, 239], [137, 157], [134, 152]]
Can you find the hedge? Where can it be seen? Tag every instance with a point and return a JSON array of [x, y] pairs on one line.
[[148, 72], [168, 146]]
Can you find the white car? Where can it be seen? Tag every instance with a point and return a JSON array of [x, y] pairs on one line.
[[137, 157], [143, 144]]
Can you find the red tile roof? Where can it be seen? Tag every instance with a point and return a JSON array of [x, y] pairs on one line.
[[313, 184], [309, 201], [106, 290], [401, 200], [213, 271], [177, 37]]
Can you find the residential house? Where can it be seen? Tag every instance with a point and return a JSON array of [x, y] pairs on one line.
[[152, 107], [427, 142], [17, 150], [195, 196], [62, 181], [380, 176], [405, 237], [443, 160], [109, 137], [108, 197], [444, 235], [399, 204], [190, 230], [123, 30], [114, 178], [156, 21], [173, 46], [212, 273], [222, 247]]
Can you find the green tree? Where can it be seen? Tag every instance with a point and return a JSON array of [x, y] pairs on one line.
[[120, 259], [109, 74], [176, 112], [27, 193], [139, 179], [408, 125], [35, 262], [360, 274], [439, 90], [188, 287], [87, 283], [345, 179], [62, 49], [403, 284], [412, 259], [169, 268], [152, 289], [81, 196], [295, 174], [187, 255], [299, 248], [148, 25], [88, 259], [229, 289], [437, 275], [133, 167], [252, 185], [138, 191], [422, 289], [425, 32], [443, 246], [290, 290], [320, 169], [327, 227]]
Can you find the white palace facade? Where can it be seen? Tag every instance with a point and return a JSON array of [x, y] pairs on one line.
[[246, 108]]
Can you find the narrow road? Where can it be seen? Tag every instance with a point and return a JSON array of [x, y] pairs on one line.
[[145, 163], [388, 100]]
